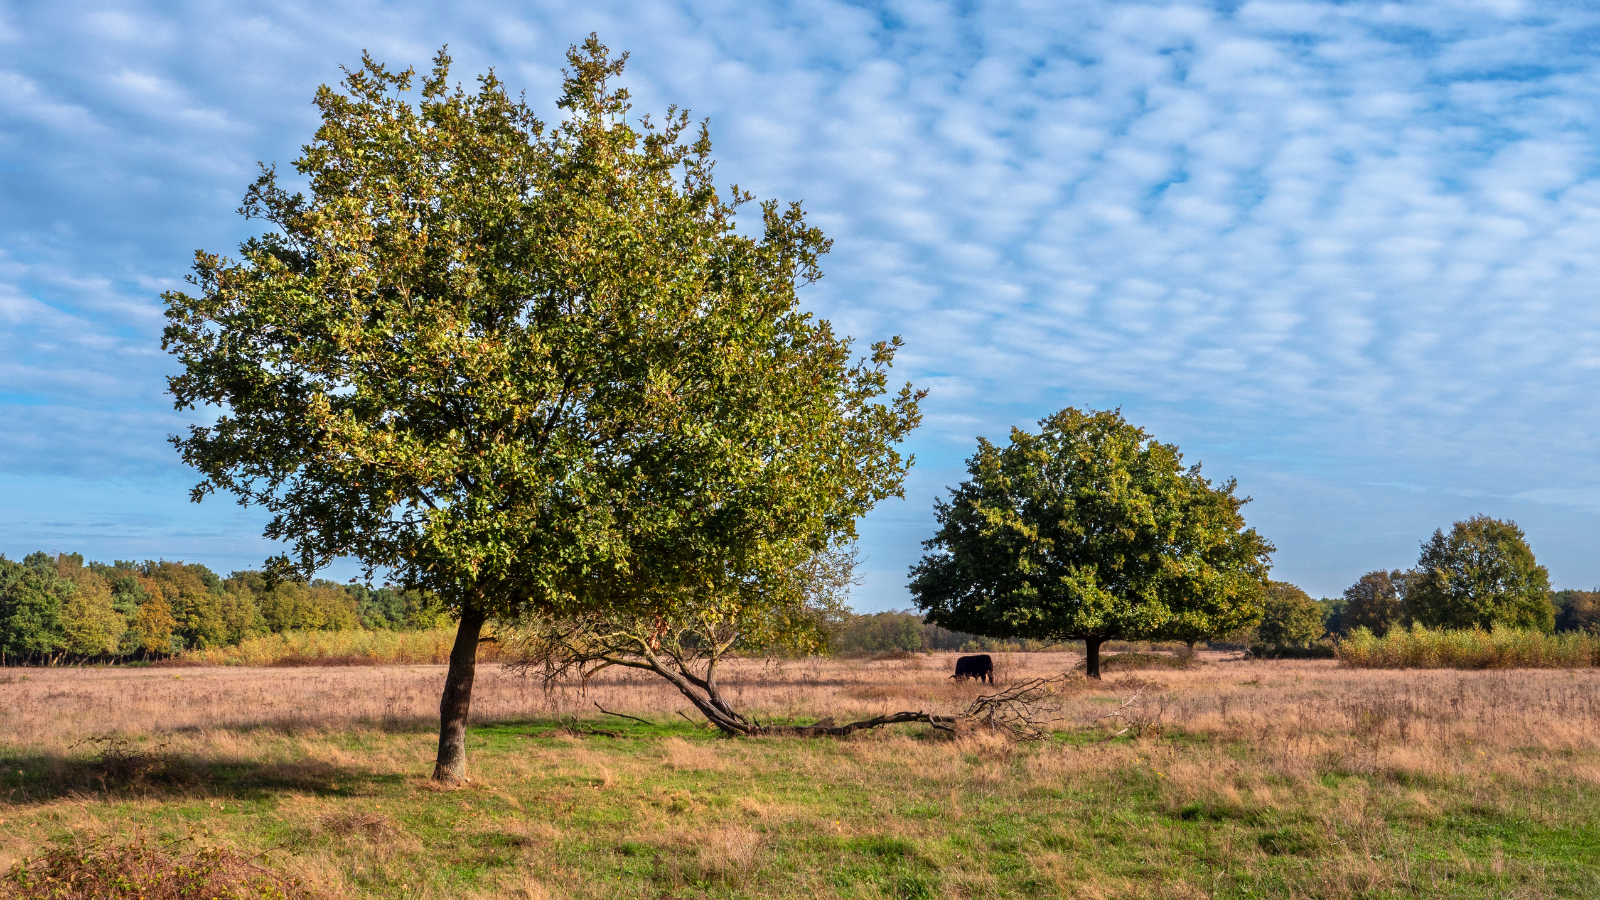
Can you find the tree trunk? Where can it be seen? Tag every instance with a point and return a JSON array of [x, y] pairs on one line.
[[1091, 649], [451, 766]]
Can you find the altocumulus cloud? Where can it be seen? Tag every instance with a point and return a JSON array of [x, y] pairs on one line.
[[1340, 251]]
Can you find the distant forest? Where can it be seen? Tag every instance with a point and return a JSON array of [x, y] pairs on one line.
[[56, 609], [60, 608], [891, 632]]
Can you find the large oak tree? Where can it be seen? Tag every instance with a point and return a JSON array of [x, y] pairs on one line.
[[529, 369], [1090, 530]]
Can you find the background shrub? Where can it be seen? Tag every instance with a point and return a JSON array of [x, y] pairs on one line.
[[1474, 648]]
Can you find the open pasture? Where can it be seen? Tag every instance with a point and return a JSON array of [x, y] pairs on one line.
[[1238, 779]]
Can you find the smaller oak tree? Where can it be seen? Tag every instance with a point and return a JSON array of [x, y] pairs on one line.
[[1092, 530], [1480, 575], [1289, 617]]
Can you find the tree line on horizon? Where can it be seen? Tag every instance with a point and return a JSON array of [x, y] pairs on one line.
[[1291, 621], [61, 608], [1482, 575]]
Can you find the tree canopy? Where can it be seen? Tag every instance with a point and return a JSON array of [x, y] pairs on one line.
[[529, 369], [1481, 574], [1093, 530], [1289, 617], [1577, 610], [1375, 602]]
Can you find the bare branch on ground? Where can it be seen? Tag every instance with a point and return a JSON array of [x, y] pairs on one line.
[[620, 715], [1024, 710]]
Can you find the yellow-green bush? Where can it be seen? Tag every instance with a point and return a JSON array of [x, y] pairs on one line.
[[1502, 648], [313, 648]]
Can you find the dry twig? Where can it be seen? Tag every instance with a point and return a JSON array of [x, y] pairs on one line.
[[619, 715], [1134, 719]]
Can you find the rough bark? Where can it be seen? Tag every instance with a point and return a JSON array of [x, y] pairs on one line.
[[451, 765], [1091, 649]]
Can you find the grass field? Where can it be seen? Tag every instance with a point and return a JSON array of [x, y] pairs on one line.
[[1250, 779]]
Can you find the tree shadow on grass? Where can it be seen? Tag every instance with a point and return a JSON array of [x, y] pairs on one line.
[[297, 727], [115, 770]]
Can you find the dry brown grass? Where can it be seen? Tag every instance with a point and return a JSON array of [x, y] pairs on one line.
[[1298, 705], [1301, 771], [1313, 716]]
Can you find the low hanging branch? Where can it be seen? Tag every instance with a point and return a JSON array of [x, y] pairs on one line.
[[619, 715], [786, 609], [686, 658]]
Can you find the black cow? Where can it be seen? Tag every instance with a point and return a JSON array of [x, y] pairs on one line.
[[980, 667]]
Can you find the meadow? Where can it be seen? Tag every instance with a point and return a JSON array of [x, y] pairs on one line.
[[1234, 778]]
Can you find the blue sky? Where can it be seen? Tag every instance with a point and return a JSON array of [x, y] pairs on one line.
[[1345, 253]]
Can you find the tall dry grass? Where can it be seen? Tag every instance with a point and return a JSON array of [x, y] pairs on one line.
[[1502, 648], [1258, 702]]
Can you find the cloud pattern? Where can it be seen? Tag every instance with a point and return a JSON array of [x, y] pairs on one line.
[[1341, 251]]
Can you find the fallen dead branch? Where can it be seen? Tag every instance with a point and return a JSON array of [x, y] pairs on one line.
[[1024, 710], [1111, 737], [826, 728]]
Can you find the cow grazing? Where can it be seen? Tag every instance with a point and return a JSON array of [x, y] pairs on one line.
[[980, 667]]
